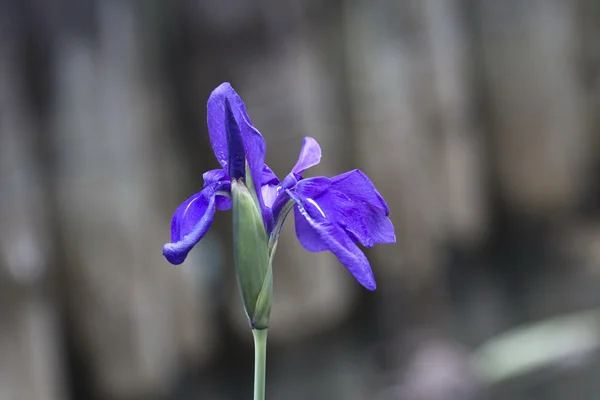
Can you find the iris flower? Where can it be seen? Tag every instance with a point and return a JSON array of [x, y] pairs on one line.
[[334, 214]]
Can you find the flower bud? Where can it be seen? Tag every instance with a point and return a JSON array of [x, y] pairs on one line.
[[251, 254]]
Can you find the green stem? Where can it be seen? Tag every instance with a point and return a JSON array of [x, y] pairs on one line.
[[260, 362]]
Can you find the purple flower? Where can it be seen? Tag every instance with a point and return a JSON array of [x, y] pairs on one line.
[[334, 214]]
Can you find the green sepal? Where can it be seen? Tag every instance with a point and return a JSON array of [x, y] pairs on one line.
[[251, 254]]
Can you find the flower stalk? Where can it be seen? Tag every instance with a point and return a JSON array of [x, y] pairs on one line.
[[260, 362]]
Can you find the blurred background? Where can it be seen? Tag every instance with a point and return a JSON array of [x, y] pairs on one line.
[[476, 119]]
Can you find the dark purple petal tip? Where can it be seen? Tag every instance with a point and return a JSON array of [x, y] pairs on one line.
[[235, 145]]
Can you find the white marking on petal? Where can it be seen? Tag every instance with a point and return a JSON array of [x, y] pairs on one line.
[[314, 203], [269, 194], [188, 206]]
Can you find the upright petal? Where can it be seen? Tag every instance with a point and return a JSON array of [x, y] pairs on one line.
[[190, 223], [235, 145], [227, 112], [335, 239], [310, 155], [217, 122]]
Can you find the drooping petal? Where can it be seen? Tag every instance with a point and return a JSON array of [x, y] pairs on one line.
[[190, 223], [367, 224], [313, 187], [336, 240], [307, 236], [227, 112], [371, 228], [310, 155], [358, 186]]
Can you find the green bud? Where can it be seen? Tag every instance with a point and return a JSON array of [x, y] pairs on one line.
[[251, 254]]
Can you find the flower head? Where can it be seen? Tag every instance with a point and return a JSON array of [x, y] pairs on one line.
[[334, 214]]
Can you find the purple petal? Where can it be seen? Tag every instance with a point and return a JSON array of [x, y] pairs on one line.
[[217, 121], [214, 175], [269, 194], [308, 237], [336, 240], [219, 175], [282, 197], [190, 223], [358, 186], [310, 155], [269, 177], [223, 203], [235, 145], [367, 224], [313, 187], [270, 186], [371, 228], [254, 144]]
